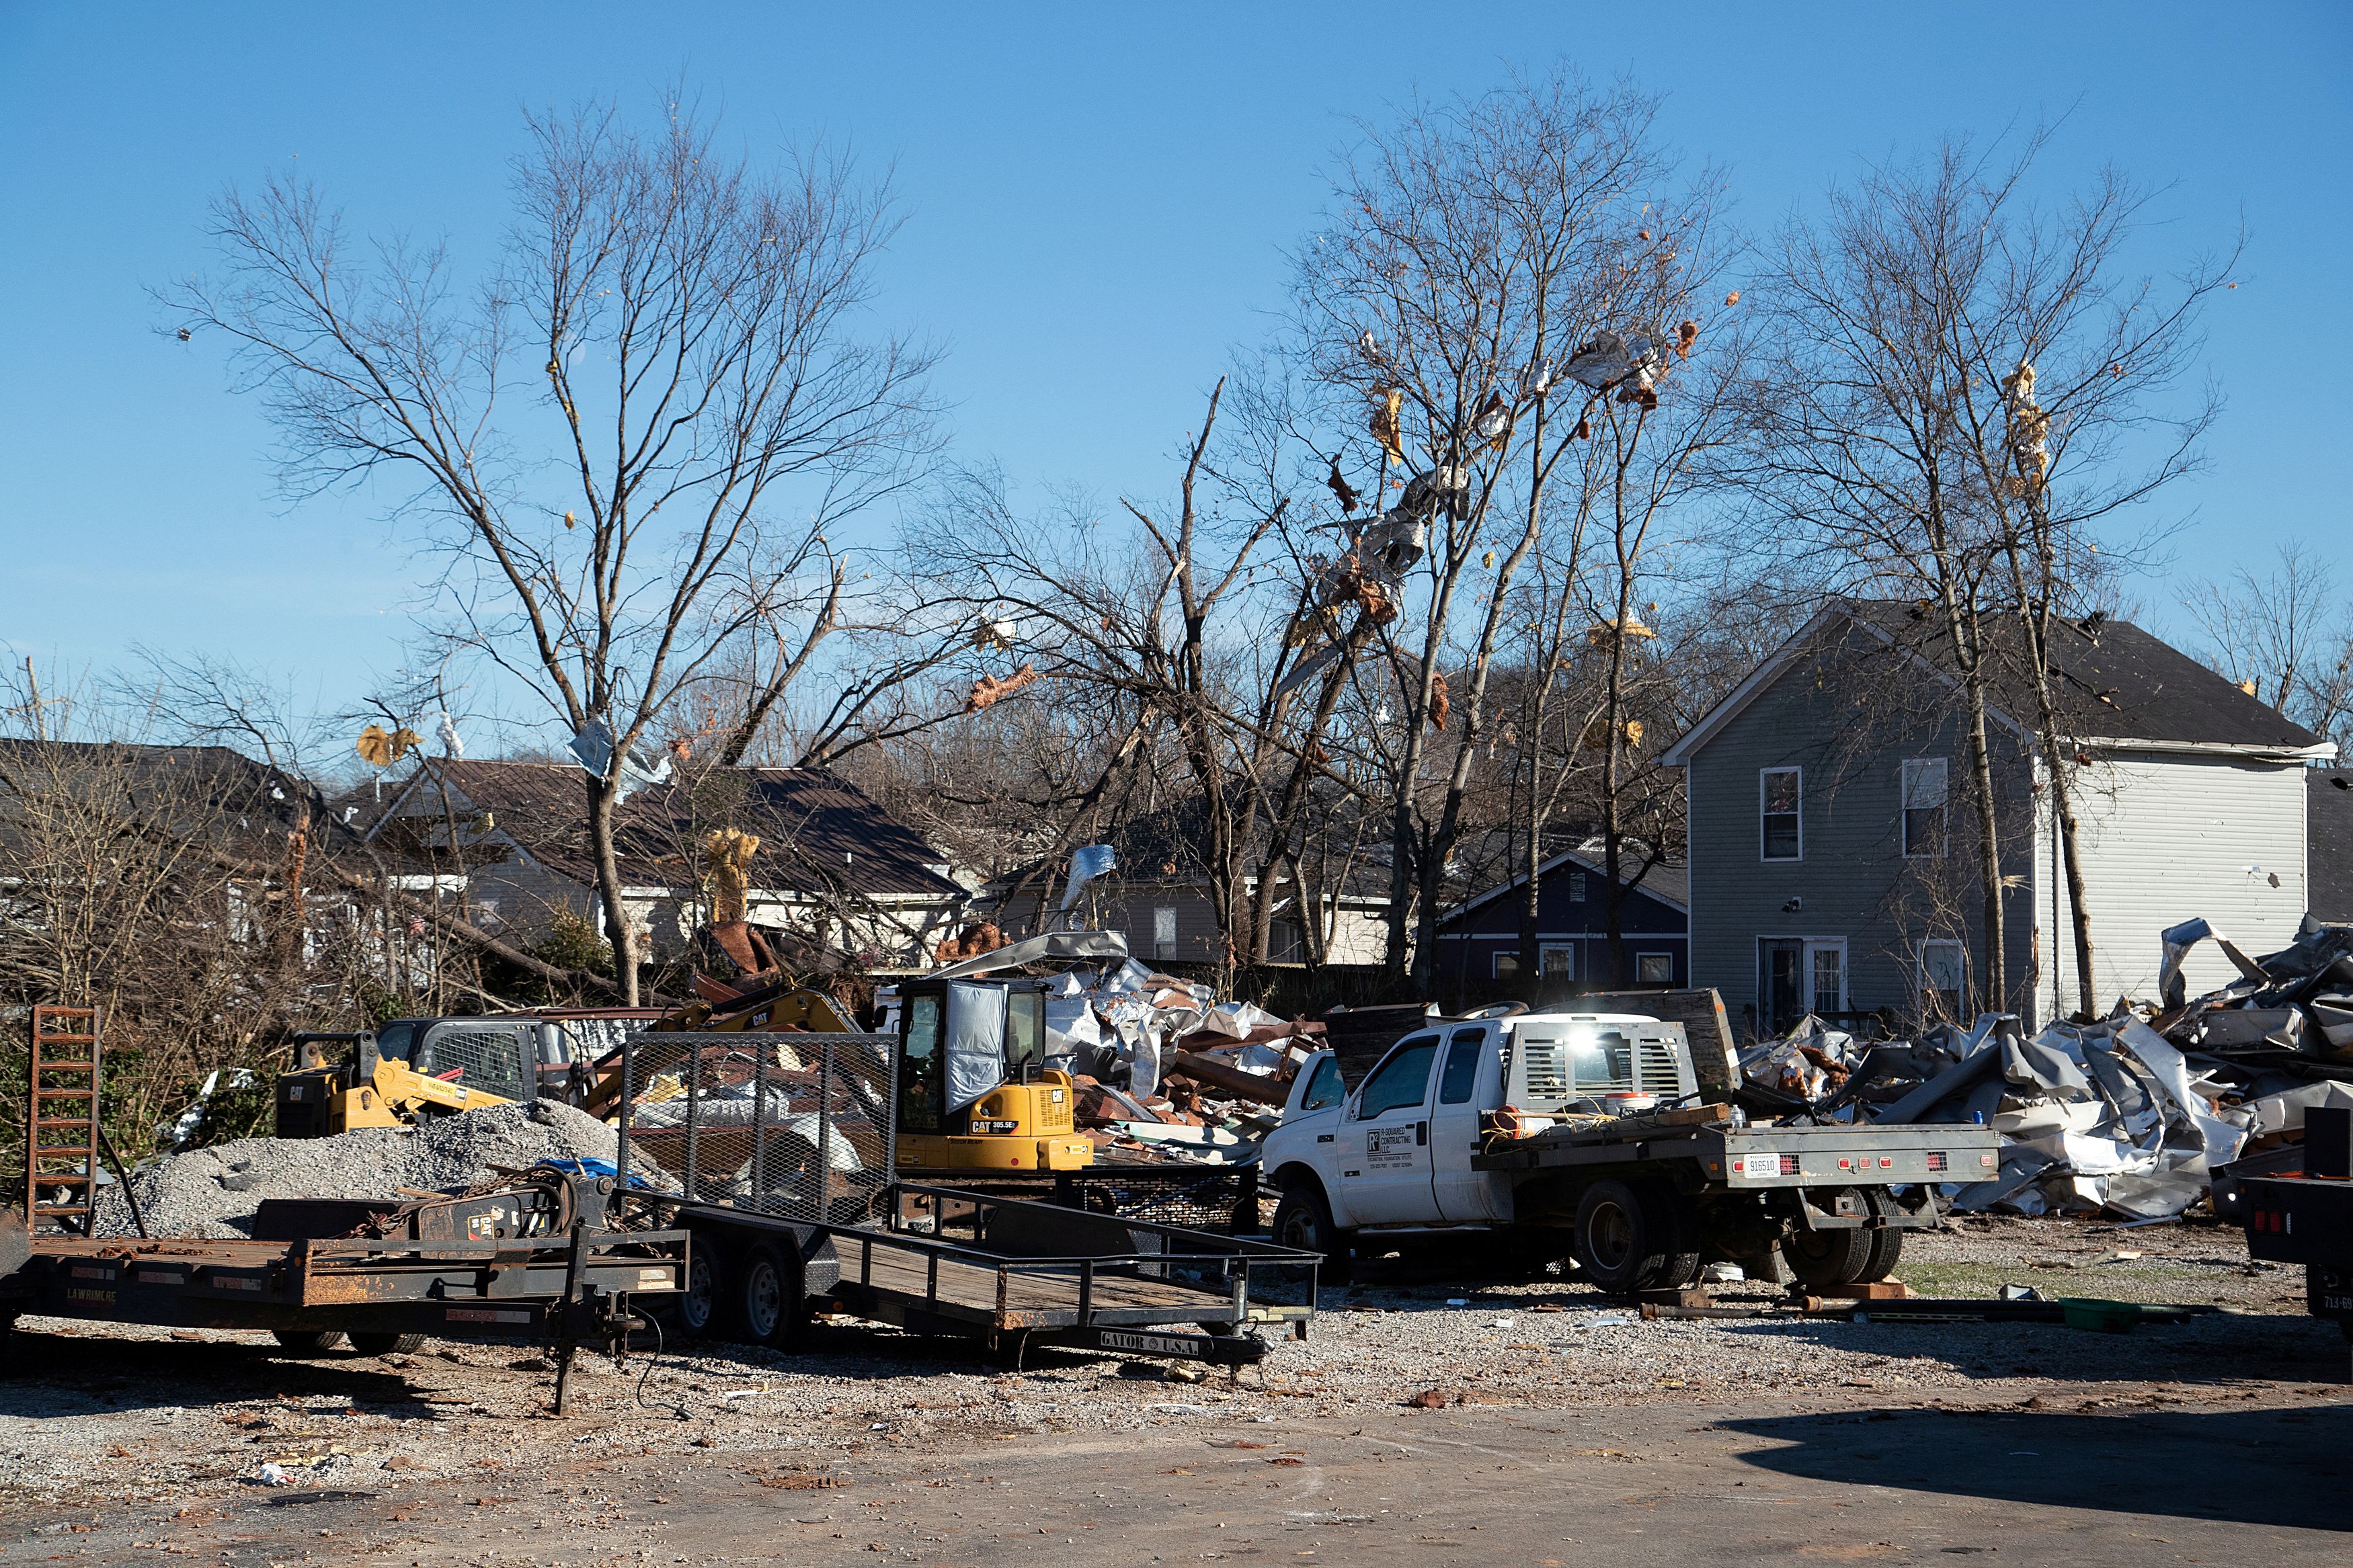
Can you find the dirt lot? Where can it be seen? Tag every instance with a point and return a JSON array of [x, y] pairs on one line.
[[1874, 1438]]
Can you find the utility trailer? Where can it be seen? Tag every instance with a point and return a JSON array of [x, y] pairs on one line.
[[536, 1261], [776, 1154]]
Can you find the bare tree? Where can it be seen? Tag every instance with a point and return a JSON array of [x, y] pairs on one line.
[[1498, 274], [1967, 388], [602, 438], [2286, 637]]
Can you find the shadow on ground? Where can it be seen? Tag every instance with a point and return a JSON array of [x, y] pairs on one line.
[[2285, 1468], [51, 1376]]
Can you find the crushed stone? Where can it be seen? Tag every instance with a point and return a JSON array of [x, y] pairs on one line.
[[215, 1192]]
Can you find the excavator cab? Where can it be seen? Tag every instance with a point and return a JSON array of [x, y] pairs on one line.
[[974, 1093]]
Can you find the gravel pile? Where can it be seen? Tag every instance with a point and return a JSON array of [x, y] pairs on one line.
[[215, 1191]]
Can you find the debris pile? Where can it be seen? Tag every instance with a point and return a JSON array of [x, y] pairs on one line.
[[215, 1191], [1165, 1071], [2130, 1116]]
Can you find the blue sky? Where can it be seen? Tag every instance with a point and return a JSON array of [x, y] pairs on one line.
[[1099, 200]]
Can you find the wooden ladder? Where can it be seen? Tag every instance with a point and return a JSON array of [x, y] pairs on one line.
[[61, 1121]]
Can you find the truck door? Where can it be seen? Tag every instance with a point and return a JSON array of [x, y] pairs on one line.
[[1470, 1081], [1388, 1139]]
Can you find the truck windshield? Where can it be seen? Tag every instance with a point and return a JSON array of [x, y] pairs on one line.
[[394, 1041]]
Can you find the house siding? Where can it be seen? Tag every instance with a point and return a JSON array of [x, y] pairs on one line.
[[1469, 940], [2164, 838], [1852, 881]]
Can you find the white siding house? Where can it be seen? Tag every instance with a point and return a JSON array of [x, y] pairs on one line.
[[2165, 836], [1835, 827]]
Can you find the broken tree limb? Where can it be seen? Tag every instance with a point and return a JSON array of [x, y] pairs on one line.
[[1265, 1089]]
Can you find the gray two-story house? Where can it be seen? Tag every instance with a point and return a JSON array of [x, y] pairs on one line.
[[1835, 839]]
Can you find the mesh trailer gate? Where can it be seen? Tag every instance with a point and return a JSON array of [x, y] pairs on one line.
[[778, 1152]]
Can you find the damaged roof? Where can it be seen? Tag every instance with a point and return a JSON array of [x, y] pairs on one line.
[[2112, 681], [816, 830], [204, 794]]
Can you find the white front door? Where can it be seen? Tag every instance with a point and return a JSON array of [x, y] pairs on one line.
[[1386, 1176]]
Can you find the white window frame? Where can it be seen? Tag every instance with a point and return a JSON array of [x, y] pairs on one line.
[[1669, 978], [1500, 957], [1567, 971], [1762, 775], [1577, 886], [1163, 947], [1821, 944], [1961, 955], [1905, 772]]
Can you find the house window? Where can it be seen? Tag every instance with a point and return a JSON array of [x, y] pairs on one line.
[[1576, 886], [1943, 967], [1559, 963], [1827, 964], [1780, 832], [1163, 930], [1654, 968], [1505, 965], [1923, 806]]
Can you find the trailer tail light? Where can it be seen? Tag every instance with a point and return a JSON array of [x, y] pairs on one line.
[[1789, 1165], [1936, 1161]]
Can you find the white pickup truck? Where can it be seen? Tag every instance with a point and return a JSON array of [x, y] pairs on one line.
[[1579, 1135]]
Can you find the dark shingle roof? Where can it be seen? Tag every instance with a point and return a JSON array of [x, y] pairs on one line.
[[816, 830], [204, 794], [2113, 680]]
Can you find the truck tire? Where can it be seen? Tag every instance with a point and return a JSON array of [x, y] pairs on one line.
[[1630, 1238], [769, 1308], [1303, 1222], [1887, 1245], [387, 1344], [1827, 1260], [307, 1341]]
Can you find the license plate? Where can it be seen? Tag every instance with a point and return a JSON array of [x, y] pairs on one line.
[[1760, 1165]]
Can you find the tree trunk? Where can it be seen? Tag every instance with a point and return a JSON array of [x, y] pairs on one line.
[[618, 928], [1996, 985]]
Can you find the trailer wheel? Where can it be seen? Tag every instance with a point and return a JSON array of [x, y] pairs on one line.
[[307, 1341], [1625, 1237], [695, 1310], [1303, 1222], [1827, 1260], [770, 1307], [387, 1344], [1887, 1245]]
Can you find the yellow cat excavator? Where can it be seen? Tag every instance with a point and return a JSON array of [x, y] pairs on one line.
[[974, 1091]]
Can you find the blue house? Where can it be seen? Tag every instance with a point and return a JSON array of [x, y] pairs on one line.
[[1480, 938]]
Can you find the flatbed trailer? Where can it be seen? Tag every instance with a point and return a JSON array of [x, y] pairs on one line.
[[569, 1283], [783, 1176]]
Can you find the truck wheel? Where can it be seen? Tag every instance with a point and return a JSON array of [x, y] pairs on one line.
[[1625, 1237], [769, 1308], [1303, 1222], [1887, 1246], [1827, 1260], [694, 1311], [307, 1341], [387, 1344]]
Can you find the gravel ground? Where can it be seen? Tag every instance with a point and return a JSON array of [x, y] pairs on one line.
[[95, 1416], [214, 1191]]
